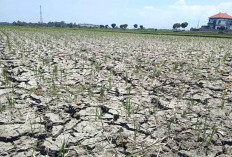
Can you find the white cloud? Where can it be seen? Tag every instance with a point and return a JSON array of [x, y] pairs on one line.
[[181, 11], [180, 2], [202, 9], [149, 8]]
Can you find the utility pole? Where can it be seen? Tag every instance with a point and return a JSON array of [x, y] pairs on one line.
[[41, 17]]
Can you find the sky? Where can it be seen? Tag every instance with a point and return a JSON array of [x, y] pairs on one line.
[[149, 13]]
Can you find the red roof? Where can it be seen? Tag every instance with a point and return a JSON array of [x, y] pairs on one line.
[[221, 15]]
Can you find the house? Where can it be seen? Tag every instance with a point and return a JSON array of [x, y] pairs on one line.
[[218, 21]]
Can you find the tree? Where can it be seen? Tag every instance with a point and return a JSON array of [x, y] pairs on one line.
[[106, 26], [184, 24], [176, 25], [62, 24], [70, 25], [141, 27], [125, 26], [135, 26], [102, 26], [113, 25]]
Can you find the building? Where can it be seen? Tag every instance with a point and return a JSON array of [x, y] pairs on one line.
[[218, 21], [86, 25]]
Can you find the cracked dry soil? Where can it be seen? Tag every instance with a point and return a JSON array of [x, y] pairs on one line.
[[85, 93]]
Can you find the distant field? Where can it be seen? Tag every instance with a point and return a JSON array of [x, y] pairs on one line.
[[84, 92], [151, 32], [158, 32]]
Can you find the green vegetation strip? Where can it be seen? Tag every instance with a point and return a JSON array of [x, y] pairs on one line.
[[148, 32]]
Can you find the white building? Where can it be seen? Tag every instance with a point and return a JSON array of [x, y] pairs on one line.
[[220, 20], [86, 25]]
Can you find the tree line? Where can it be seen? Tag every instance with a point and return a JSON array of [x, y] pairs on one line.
[[62, 24], [122, 26], [49, 24]]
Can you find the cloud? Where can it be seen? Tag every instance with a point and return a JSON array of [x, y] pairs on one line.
[[148, 13], [181, 11], [149, 8], [180, 2], [208, 10]]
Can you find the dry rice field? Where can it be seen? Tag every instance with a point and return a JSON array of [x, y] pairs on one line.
[[81, 93]]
